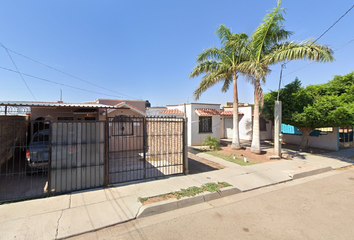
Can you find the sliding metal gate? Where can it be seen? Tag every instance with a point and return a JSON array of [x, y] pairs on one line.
[[88, 154], [141, 148]]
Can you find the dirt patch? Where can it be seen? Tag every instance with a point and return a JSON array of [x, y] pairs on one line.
[[189, 192], [246, 152], [198, 165]]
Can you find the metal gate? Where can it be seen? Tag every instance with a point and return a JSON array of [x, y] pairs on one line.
[[141, 148], [41, 158], [18, 180], [77, 155]]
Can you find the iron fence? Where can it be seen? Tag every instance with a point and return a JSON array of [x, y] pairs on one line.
[[41, 158], [18, 180]]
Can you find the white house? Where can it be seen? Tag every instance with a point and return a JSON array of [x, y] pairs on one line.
[[203, 120], [245, 122]]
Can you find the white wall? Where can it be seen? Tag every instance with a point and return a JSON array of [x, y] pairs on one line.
[[328, 142], [266, 135], [194, 137], [245, 123]]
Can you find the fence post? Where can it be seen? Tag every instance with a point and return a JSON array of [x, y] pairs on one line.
[[144, 145], [107, 149], [50, 159], [185, 147]]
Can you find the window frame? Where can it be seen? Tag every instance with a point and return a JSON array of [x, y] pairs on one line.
[[208, 121]]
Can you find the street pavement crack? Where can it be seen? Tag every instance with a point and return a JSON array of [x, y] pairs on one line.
[[57, 230]]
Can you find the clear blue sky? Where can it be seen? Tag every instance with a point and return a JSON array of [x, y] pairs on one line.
[[146, 49]]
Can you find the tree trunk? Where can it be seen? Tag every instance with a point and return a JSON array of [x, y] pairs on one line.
[[305, 138], [235, 131], [256, 143]]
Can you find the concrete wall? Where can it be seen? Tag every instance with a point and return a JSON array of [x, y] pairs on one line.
[[194, 137], [245, 125], [267, 135], [139, 104], [52, 113], [328, 142]]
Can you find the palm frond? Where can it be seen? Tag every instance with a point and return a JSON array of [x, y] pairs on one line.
[[269, 32], [223, 33], [306, 50], [208, 81], [204, 67]]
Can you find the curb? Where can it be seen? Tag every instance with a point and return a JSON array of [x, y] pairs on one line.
[[173, 204], [310, 173]]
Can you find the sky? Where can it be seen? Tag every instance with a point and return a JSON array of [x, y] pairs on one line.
[[129, 49]]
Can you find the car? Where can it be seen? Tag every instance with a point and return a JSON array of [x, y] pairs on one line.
[[38, 151]]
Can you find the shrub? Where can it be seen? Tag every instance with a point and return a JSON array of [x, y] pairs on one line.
[[212, 143]]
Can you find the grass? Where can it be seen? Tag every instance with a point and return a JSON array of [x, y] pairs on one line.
[[188, 192], [231, 158]]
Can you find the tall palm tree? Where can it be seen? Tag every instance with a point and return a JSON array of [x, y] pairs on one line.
[[222, 65], [268, 46]]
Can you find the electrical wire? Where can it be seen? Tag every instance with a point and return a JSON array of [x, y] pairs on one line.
[[19, 72], [284, 64], [315, 62], [62, 84], [330, 27], [70, 75]]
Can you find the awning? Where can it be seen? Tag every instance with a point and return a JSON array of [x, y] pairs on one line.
[[207, 112]]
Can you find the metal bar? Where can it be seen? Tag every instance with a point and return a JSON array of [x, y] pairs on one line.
[[144, 145], [49, 190], [107, 151]]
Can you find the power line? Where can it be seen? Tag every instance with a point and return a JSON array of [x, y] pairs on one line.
[[70, 75], [322, 36], [330, 27], [62, 84], [334, 23], [18, 71], [315, 62]]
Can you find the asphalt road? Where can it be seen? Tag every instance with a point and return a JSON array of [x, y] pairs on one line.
[[317, 207]]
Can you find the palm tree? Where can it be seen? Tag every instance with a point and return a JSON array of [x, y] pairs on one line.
[[222, 65], [268, 46]]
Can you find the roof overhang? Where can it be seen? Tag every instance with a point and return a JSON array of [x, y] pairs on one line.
[[125, 105], [206, 112], [52, 104]]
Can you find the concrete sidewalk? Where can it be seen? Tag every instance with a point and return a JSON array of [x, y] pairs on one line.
[[79, 212]]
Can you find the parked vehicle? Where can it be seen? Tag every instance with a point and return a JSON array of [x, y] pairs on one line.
[[38, 151]]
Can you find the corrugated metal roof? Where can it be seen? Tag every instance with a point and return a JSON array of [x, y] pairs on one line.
[[53, 104]]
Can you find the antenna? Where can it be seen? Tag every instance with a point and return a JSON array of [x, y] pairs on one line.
[[61, 96]]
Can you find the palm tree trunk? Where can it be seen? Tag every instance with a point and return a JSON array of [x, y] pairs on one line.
[[256, 143], [235, 131]]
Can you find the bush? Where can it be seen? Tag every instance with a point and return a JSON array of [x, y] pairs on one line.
[[212, 143]]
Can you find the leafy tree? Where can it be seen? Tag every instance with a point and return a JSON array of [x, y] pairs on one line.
[[222, 65], [322, 105], [268, 46]]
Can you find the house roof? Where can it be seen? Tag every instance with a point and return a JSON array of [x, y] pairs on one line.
[[206, 112], [172, 111], [228, 112], [126, 105], [52, 104]]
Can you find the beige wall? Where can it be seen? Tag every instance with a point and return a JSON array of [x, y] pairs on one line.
[[140, 104], [52, 113]]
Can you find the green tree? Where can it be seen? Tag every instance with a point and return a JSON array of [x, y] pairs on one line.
[[268, 46], [316, 106], [222, 65]]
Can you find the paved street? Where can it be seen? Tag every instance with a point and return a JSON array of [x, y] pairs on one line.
[[316, 207]]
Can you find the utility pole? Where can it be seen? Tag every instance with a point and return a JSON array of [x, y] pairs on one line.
[[278, 120]]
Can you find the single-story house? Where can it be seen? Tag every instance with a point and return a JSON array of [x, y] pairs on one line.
[[203, 119], [245, 122]]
